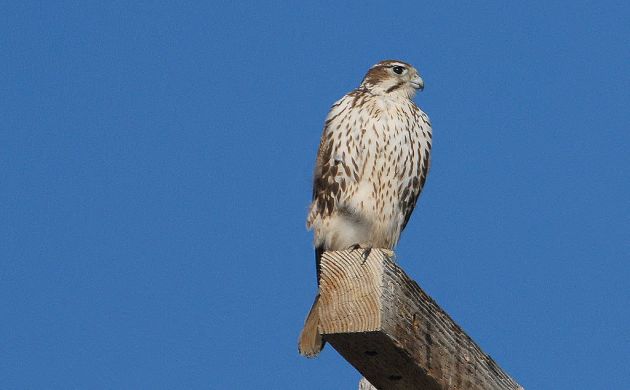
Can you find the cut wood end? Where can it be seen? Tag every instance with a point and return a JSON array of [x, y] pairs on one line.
[[350, 285]]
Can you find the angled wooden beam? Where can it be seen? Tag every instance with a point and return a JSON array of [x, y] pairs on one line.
[[395, 334]]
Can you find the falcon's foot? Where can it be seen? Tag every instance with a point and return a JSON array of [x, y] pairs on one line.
[[366, 250]]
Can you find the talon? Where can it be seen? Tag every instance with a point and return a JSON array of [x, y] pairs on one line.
[[366, 254], [354, 247]]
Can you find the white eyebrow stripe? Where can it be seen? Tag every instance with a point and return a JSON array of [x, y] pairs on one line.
[[391, 65]]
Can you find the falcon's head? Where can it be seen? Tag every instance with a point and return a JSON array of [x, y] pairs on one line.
[[393, 77]]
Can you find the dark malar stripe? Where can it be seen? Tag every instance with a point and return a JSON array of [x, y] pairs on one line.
[[395, 87]]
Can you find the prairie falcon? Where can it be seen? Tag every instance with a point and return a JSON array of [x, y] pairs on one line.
[[372, 163]]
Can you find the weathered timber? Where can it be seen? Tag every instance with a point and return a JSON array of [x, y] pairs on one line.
[[395, 334], [365, 385]]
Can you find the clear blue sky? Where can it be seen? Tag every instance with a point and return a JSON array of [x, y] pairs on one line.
[[155, 174]]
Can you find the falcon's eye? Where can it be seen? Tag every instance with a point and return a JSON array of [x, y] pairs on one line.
[[398, 69]]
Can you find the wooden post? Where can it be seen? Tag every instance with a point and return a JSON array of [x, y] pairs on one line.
[[390, 330]]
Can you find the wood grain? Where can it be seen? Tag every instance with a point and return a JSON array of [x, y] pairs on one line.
[[395, 334]]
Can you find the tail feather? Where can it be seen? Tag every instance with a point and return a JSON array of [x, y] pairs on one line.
[[311, 341]]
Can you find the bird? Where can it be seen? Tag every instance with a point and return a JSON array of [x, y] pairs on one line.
[[372, 163]]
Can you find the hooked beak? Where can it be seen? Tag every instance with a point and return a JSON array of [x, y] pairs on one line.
[[417, 83]]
